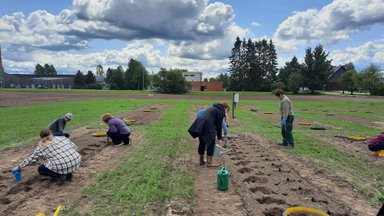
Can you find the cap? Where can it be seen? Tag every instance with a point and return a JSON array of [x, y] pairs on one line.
[[68, 116]]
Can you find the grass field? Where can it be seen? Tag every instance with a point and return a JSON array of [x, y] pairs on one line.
[[150, 173]]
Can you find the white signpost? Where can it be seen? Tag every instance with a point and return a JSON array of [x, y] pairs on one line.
[[235, 101]]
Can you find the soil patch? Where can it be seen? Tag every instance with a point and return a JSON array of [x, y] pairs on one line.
[[269, 180]]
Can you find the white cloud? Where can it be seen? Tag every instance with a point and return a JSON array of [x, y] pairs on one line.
[[334, 22], [256, 24], [371, 52], [197, 35]]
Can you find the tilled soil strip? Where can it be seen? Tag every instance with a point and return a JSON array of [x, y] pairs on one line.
[[269, 182]]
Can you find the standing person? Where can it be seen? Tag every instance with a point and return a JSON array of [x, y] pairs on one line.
[[287, 118], [118, 131], [207, 127], [57, 126], [224, 124], [61, 156]]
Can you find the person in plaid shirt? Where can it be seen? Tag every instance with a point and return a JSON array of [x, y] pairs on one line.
[[61, 156]]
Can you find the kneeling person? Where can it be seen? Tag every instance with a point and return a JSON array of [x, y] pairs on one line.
[[61, 156], [118, 131], [57, 126]]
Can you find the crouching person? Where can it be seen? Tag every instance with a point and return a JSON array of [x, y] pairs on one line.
[[118, 131], [61, 156], [376, 143]]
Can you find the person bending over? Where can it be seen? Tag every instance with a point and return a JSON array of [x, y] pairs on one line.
[[60, 154], [118, 131]]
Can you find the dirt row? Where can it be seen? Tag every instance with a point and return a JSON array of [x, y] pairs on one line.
[[269, 181]]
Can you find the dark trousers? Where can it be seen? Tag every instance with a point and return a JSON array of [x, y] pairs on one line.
[[117, 138], [43, 170], [286, 131], [376, 147], [60, 134], [202, 145]]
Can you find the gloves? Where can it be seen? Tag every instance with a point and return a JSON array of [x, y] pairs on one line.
[[283, 122], [16, 169]]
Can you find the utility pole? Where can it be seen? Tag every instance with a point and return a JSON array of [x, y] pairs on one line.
[[2, 75]]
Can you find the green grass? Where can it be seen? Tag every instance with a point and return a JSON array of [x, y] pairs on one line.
[[149, 176], [22, 123]]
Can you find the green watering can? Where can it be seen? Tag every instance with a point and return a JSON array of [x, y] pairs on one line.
[[223, 178]]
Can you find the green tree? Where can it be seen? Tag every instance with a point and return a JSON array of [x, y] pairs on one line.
[[90, 78], [136, 76], [290, 67], [170, 81], [348, 81], [317, 67], [295, 82], [39, 70], [79, 80], [235, 65], [369, 79], [253, 65]]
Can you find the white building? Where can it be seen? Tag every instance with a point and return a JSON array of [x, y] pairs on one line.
[[193, 76]]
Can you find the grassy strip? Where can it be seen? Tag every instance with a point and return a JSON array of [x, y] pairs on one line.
[[347, 128], [148, 177], [23, 123], [349, 167]]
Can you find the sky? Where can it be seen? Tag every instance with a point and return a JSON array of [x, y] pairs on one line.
[[196, 35]]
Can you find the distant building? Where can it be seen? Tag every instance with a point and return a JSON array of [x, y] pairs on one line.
[[193, 76], [34, 81], [207, 86], [333, 80]]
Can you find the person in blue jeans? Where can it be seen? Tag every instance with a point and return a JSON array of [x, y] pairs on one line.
[[57, 126], [118, 131], [286, 112]]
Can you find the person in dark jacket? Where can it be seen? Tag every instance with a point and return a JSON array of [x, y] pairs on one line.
[[57, 126], [206, 128], [118, 131]]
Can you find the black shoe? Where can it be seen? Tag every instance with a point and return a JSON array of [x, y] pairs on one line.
[[61, 179], [69, 177], [283, 144]]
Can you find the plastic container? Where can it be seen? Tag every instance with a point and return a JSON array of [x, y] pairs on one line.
[[17, 175], [223, 178]]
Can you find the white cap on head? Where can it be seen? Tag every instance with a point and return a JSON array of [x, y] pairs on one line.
[[68, 116]]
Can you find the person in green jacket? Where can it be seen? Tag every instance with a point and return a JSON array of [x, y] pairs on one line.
[[286, 112]]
